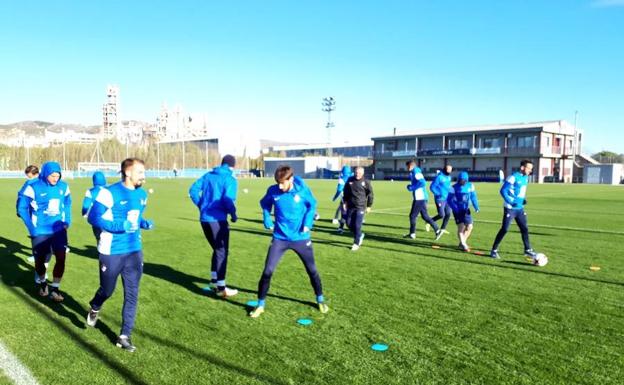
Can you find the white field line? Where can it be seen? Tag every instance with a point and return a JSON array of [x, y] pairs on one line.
[[13, 368], [599, 231]]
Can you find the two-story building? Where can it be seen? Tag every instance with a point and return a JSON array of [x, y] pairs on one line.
[[482, 150]]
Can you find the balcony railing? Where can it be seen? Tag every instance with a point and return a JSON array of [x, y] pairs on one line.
[[461, 151]]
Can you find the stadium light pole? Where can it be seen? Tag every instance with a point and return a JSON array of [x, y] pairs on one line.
[[64, 150], [328, 105]]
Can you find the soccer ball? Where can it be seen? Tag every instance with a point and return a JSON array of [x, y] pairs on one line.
[[540, 260], [151, 191], [245, 190]]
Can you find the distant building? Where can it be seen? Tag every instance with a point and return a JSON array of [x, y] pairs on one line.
[[604, 173], [482, 150], [306, 167], [348, 150]]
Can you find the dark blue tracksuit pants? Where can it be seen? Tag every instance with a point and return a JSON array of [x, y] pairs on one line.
[[218, 235], [130, 267], [521, 219], [43, 246], [277, 249], [341, 214], [420, 208], [355, 218], [444, 212]]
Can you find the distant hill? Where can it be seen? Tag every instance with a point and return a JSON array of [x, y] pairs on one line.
[[38, 127]]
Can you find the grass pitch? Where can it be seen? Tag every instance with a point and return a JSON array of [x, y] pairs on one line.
[[448, 317]]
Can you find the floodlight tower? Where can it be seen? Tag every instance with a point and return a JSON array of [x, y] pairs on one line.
[[329, 105]]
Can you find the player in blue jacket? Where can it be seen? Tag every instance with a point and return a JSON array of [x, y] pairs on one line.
[[341, 214], [293, 206], [118, 211], [418, 188], [45, 208], [459, 198], [513, 192], [440, 188], [99, 181], [214, 195], [32, 175]]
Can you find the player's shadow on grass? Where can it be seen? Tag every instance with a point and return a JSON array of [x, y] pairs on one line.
[[480, 260], [88, 252], [214, 360], [18, 277], [174, 276], [188, 282]]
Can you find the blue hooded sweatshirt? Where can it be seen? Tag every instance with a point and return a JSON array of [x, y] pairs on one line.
[[215, 194], [461, 195], [345, 174], [441, 186], [514, 191], [21, 192], [293, 211], [45, 208], [418, 185], [99, 181]]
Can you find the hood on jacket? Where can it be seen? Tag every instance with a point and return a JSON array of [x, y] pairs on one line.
[[463, 176], [99, 179], [223, 169], [346, 172], [49, 168], [298, 183]]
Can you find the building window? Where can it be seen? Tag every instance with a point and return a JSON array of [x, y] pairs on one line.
[[490, 142], [526, 141], [391, 146], [458, 143]]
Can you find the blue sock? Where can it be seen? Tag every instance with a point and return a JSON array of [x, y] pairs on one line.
[[260, 303], [320, 299]]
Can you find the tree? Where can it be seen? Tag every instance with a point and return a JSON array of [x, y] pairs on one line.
[[608, 157]]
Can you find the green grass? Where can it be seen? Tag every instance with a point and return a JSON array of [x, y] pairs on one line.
[[448, 317]]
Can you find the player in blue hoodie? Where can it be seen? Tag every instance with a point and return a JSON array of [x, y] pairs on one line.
[[440, 188], [513, 192], [99, 181], [418, 188], [214, 195], [32, 175], [459, 198], [341, 214], [118, 211], [45, 208], [293, 206]]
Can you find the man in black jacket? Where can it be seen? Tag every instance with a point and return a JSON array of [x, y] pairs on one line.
[[358, 198]]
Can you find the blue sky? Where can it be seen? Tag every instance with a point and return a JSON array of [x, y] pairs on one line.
[[264, 66]]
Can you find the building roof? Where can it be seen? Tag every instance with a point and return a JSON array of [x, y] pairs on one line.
[[314, 146], [554, 126]]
